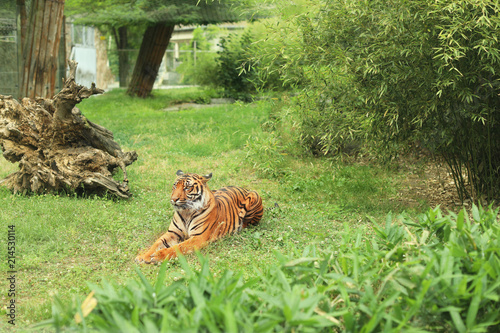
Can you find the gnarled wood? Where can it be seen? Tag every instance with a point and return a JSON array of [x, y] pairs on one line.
[[58, 148]]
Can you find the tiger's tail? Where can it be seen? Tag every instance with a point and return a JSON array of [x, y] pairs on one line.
[[254, 208]]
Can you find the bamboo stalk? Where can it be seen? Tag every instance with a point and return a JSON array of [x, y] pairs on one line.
[[41, 55], [27, 49], [40, 49], [59, 17]]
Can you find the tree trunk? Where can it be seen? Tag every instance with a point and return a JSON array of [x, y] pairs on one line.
[[21, 5], [121, 39], [57, 148], [153, 47], [40, 49]]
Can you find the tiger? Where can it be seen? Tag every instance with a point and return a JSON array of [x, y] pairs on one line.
[[202, 216]]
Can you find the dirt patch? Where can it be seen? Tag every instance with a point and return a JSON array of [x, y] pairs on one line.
[[428, 181], [186, 106]]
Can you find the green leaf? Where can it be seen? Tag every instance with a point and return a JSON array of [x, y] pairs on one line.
[[457, 320], [134, 317], [149, 326], [160, 280], [474, 304], [299, 261], [287, 312], [349, 321], [229, 319], [283, 280], [460, 219], [123, 324], [475, 213], [149, 288], [197, 295]]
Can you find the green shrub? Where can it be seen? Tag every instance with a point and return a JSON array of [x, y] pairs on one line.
[[428, 71], [235, 74], [440, 274], [267, 154], [202, 73], [203, 70], [298, 49], [396, 73]]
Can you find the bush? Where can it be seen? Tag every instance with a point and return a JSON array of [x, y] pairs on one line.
[[439, 274], [428, 72], [330, 117], [201, 302], [234, 73], [397, 72], [233, 67], [203, 71]]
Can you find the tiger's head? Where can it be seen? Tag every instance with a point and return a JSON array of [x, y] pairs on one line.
[[189, 191]]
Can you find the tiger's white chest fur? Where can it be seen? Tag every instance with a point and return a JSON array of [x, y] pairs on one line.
[[197, 205], [192, 209]]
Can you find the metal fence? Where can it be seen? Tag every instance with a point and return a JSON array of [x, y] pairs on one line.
[[168, 73], [9, 78]]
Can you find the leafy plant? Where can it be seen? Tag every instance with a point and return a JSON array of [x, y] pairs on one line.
[[408, 278], [392, 73], [267, 155], [234, 73], [198, 301], [202, 70]]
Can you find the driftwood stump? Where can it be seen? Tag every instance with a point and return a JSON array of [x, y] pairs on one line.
[[57, 148]]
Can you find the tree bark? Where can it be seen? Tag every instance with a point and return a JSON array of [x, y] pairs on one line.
[[57, 148], [21, 5], [153, 47], [40, 48], [121, 40]]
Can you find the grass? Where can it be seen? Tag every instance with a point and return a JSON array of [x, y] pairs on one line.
[[63, 242]]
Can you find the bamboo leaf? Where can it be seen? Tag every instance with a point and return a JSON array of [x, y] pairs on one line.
[[229, 319], [197, 295], [457, 320], [475, 213], [474, 305], [460, 220]]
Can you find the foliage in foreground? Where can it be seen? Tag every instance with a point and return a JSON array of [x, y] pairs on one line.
[[440, 274]]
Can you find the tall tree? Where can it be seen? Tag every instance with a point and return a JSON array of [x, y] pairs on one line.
[[40, 37], [160, 17], [153, 47], [116, 17], [164, 15], [121, 40]]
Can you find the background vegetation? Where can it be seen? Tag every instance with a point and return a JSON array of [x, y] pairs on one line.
[[382, 77], [65, 242]]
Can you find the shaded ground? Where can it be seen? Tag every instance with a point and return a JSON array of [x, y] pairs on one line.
[[194, 105], [428, 181]]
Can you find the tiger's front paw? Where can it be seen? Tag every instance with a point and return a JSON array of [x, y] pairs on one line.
[[143, 259], [163, 254]]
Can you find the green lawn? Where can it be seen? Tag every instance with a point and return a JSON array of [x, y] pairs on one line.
[[63, 242]]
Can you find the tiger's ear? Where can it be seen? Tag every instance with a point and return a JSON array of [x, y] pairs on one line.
[[179, 173], [206, 178]]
